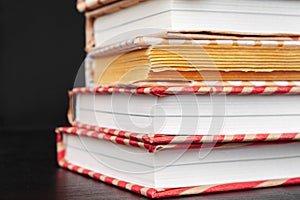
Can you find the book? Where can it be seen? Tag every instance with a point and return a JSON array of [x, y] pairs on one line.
[[231, 107], [209, 56], [135, 18], [178, 169]]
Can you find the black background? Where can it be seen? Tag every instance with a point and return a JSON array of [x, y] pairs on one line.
[[42, 48]]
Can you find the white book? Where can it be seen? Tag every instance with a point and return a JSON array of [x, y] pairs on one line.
[[190, 114], [175, 168], [154, 16]]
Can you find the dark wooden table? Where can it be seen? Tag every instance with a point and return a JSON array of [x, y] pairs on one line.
[[29, 171]]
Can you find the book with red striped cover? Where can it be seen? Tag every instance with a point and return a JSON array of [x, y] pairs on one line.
[[175, 169], [222, 108], [130, 18]]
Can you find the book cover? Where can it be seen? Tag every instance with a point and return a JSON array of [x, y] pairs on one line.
[[162, 88], [159, 192], [250, 107], [183, 16], [159, 139]]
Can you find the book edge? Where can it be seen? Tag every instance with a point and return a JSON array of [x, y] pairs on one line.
[[167, 192]]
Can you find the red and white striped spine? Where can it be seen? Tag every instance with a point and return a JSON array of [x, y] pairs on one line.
[[162, 91], [163, 139], [233, 142]]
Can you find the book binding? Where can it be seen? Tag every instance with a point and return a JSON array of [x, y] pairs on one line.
[[179, 139], [202, 88], [163, 192]]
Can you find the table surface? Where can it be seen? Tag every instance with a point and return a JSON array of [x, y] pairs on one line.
[[29, 171]]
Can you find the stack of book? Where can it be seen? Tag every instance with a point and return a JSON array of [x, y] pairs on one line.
[[187, 97]]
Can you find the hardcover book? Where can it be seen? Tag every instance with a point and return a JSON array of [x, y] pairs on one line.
[[174, 169], [196, 57], [129, 18], [225, 108]]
